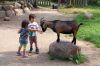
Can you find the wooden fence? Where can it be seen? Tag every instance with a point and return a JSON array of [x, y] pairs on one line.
[[44, 2], [80, 3]]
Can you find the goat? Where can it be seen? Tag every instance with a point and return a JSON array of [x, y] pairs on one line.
[[64, 27]]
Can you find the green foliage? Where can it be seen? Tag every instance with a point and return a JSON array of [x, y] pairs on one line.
[[54, 1], [7, 0], [77, 59], [93, 1], [90, 31]]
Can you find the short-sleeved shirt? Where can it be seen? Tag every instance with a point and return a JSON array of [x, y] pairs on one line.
[[34, 26], [23, 36]]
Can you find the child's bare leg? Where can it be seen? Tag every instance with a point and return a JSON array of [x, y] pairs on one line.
[[31, 47], [37, 50], [24, 51], [18, 53]]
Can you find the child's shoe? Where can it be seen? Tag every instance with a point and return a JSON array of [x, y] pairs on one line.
[[37, 51], [30, 51], [18, 54]]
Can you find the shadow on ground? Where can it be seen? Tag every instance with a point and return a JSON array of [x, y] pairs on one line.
[[10, 58]]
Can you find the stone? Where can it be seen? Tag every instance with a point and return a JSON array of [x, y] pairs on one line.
[[88, 15], [26, 10], [63, 49], [17, 5], [10, 13], [7, 7], [0, 7], [18, 12], [2, 13], [29, 5], [6, 18], [22, 2]]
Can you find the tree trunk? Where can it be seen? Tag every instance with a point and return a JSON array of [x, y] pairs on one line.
[[70, 2], [59, 1], [35, 3]]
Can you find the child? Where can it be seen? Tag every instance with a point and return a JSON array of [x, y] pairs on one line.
[[33, 28], [23, 38]]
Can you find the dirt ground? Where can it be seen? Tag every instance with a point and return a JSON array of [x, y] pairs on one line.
[[9, 44]]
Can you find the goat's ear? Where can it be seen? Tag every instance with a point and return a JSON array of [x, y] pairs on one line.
[[41, 19]]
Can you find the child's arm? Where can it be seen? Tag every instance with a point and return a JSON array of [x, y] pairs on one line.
[[33, 30], [19, 31], [40, 31]]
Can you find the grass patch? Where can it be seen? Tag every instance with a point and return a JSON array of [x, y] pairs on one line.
[[77, 59], [90, 31]]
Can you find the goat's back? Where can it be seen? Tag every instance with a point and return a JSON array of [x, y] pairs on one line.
[[69, 23]]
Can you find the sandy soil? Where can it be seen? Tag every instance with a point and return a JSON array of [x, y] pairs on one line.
[[9, 44]]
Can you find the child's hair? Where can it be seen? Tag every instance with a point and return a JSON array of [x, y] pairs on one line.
[[24, 24], [31, 16]]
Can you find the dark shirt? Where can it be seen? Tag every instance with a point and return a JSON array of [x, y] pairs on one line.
[[23, 34]]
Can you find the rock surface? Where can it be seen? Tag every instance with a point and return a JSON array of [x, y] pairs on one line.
[[63, 49], [10, 13], [6, 18], [2, 13], [17, 5], [18, 12], [26, 10]]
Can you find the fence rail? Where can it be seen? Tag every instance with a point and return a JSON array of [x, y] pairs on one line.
[[80, 3], [44, 2]]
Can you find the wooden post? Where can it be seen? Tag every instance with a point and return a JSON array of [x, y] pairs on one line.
[[59, 1], [70, 3]]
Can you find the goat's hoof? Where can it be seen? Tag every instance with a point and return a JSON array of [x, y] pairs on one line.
[[74, 43], [58, 41]]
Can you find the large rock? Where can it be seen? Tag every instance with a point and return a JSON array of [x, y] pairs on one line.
[[22, 4], [0, 7], [63, 49], [10, 13], [18, 12], [29, 5], [17, 5], [7, 7], [26, 10], [2, 13], [6, 18]]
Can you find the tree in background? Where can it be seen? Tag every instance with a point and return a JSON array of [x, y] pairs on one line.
[[35, 3], [92, 2]]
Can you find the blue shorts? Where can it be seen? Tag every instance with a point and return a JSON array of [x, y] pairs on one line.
[[23, 41]]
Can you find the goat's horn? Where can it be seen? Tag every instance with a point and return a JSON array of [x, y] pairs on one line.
[[41, 18]]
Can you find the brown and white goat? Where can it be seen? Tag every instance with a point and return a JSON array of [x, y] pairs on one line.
[[64, 27]]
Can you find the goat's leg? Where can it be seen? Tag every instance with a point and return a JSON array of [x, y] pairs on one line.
[[58, 37], [74, 38]]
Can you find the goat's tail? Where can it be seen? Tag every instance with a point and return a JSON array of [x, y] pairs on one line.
[[80, 25]]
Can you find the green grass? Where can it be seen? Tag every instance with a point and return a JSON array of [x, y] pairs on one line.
[[90, 31], [77, 59]]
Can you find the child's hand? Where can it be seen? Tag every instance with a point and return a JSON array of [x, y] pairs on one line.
[[19, 31], [40, 32]]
